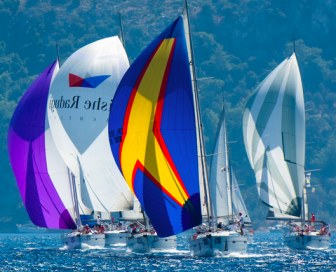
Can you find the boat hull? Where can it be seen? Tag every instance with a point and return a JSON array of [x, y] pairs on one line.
[[116, 237], [214, 244], [306, 241], [81, 240], [149, 242]]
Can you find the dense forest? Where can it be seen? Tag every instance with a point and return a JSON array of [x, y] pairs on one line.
[[236, 42]]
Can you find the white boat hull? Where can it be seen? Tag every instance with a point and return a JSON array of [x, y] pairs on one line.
[[148, 242], [250, 237], [306, 241], [217, 243], [116, 237], [81, 240]]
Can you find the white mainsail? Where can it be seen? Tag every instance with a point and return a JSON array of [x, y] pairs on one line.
[[78, 111], [219, 175], [274, 136]]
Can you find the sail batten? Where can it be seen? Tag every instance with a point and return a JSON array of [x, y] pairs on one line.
[[274, 137]]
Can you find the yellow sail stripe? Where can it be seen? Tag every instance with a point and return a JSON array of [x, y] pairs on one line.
[[140, 143]]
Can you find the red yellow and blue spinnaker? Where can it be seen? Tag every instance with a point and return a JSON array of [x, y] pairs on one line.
[[152, 133]]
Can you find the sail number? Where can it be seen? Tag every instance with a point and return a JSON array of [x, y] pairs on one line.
[[115, 136]]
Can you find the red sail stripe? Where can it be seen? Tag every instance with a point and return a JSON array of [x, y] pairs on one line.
[[158, 117]]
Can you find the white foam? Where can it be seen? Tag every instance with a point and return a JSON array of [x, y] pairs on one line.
[[242, 255]]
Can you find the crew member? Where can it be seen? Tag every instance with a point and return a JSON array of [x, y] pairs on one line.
[[98, 221], [241, 221], [312, 222]]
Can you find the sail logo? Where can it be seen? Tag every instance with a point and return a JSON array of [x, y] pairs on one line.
[[86, 82]]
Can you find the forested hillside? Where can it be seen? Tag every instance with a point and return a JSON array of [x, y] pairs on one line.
[[236, 42]]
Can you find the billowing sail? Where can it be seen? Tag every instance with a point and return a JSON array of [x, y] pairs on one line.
[[274, 136], [40, 172], [153, 134], [78, 110], [238, 204], [219, 175]]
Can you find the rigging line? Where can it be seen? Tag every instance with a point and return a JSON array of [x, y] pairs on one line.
[[206, 55]]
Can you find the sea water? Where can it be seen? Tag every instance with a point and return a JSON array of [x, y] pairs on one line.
[[44, 252]]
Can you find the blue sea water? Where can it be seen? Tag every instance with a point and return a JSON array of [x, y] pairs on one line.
[[44, 252]]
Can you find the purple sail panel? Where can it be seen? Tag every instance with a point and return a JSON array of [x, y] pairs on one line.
[[27, 154]]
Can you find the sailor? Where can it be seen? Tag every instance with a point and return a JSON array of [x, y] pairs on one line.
[[98, 221], [219, 225], [312, 222], [241, 221]]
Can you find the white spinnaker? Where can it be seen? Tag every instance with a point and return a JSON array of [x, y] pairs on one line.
[[274, 136], [78, 116], [57, 169], [200, 165], [219, 178], [238, 204]]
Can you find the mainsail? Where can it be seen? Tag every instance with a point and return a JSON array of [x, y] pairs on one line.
[[78, 110], [219, 175], [274, 136], [153, 133], [224, 189], [40, 172]]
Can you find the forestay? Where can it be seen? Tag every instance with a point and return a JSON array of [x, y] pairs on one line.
[[78, 110], [40, 172], [274, 136], [153, 134]]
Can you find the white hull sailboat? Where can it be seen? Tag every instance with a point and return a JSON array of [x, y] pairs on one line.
[[313, 240], [146, 242], [77, 240], [275, 137], [216, 243]]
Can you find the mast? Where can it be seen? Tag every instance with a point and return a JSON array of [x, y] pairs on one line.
[[74, 198], [228, 173], [57, 50], [121, 31], [199, 121]]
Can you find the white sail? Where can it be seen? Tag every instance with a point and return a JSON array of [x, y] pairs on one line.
[[78, 111], [199, 154], [238, 204], [135, 214], [219, 175], [274, 136]]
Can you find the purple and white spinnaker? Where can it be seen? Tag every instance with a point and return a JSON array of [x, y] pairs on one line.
[[40, 172]]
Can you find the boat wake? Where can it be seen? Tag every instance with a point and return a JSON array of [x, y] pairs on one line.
[[242, 255], [86, 247]]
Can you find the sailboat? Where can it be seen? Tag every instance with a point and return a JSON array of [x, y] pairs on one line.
[[159, 145], [42, 176], [226, 197], [78, 111], [274, 136]]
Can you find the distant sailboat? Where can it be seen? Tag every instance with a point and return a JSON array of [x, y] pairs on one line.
[[274, 135], [40, 172]]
